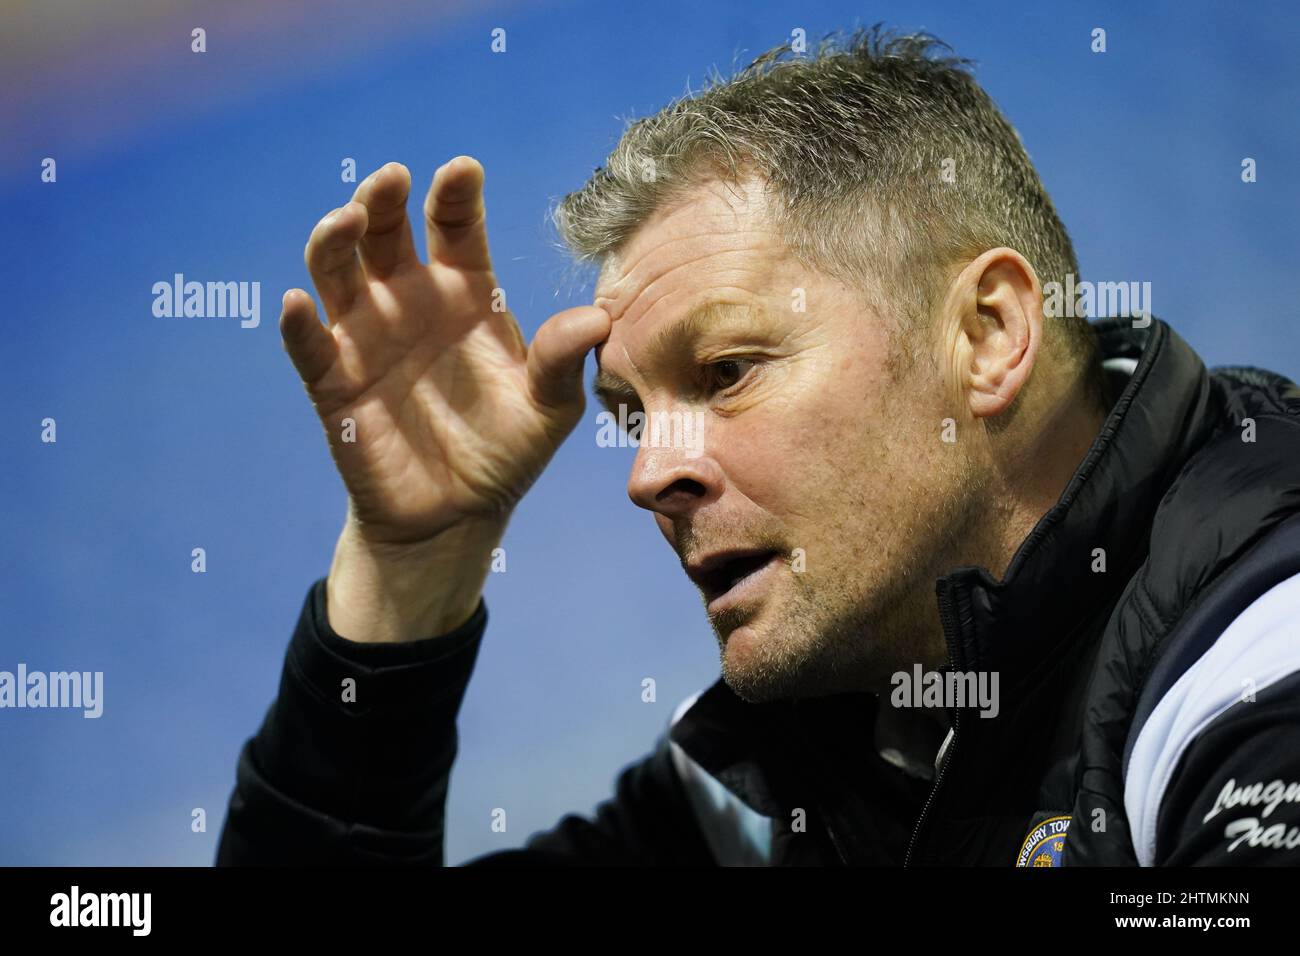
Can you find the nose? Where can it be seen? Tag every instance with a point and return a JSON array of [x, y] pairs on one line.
[[672, 481]]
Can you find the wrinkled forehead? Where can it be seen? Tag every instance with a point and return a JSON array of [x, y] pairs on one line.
[[716, 233]]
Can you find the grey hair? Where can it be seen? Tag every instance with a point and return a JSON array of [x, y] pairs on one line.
[[851, 143]]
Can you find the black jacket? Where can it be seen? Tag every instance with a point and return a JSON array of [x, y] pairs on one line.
[[1143, 717]]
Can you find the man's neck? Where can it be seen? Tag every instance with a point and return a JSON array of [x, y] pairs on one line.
[[1031, 471]]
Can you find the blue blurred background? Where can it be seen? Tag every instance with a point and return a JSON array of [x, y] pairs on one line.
[[182, 433]]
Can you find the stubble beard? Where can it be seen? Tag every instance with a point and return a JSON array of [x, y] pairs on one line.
[[849, 628]]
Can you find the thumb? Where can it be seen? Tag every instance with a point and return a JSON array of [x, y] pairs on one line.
[[555, 358], [311, 347]]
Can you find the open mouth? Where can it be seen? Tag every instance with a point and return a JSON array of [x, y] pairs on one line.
[[724, 572]]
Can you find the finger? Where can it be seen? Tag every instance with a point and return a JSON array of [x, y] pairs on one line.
[[331, 257], [559, 348], [454, 215], [311, 347], [388, 244]]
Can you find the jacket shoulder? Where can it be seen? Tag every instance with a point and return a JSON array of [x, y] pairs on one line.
[[1224, 555], [1234, 491]]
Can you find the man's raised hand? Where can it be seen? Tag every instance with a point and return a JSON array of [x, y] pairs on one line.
[[454, 417], [439, 417]]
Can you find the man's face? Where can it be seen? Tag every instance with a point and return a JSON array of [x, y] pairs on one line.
[[821, 503]]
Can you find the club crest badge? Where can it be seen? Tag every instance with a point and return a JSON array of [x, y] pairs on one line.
[[1045, 843]]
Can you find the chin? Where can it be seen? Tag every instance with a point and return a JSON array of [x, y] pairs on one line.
[[770, 657], [756, 668]]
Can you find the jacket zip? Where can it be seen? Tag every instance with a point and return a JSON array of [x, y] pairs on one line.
[[949, 621]]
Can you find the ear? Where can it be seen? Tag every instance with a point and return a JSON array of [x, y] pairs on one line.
[[997, 305]]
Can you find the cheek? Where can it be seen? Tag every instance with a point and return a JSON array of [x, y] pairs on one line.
[[801, 452]]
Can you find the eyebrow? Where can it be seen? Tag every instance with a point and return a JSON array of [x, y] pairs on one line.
[[669, 340]]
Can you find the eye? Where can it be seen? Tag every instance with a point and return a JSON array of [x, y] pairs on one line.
[[727, 373]]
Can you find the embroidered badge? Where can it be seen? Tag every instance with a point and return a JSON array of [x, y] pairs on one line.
[[1045, 843]]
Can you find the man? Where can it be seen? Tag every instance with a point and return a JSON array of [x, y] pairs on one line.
[[839, 265]]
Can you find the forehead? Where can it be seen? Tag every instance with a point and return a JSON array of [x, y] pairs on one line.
[[714, 238]]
